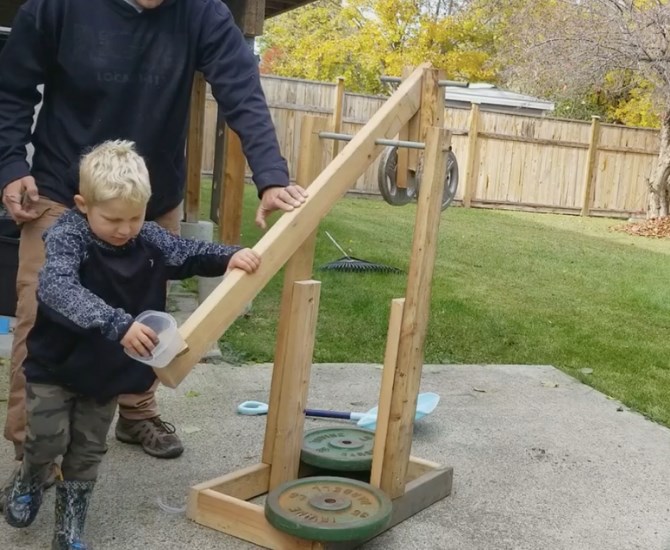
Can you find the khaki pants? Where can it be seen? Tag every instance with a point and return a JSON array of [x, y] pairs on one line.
[[31, 258]]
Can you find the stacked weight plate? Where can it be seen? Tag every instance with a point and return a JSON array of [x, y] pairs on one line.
[[327, 508]]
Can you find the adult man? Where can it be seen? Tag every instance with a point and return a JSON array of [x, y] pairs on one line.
[[119, 69]]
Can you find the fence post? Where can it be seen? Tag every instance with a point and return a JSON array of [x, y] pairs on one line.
[[471, 169], [194, 146], [589, 172], [338, 105], [231, 200]]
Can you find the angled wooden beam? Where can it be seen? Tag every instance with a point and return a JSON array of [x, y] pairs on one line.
[[218, 311]]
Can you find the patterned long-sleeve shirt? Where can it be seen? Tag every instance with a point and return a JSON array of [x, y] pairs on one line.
[[89, 293]]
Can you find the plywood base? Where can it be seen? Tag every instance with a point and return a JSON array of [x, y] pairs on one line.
[[220, 504]]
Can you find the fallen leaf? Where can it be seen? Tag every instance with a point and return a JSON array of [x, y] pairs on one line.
[[190, 429], [655, 227], [192, 393], [479, 390], [550, 384]]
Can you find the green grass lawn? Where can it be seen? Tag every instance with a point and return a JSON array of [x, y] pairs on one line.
[[509, 287]]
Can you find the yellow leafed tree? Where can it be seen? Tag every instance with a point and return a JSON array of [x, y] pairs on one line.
[[363, 39]]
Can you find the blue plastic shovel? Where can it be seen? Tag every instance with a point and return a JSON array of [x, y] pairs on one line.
[[425, 404]]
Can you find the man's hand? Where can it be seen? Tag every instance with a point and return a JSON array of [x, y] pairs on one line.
[[279, 198], [246, 259], [139, 340], [20, 198]]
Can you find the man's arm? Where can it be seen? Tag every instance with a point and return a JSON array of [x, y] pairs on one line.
[[188, 257], [62, 296], [231, 69], [22, 66]]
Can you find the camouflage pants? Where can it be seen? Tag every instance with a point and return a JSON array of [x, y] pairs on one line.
[[62, 423]]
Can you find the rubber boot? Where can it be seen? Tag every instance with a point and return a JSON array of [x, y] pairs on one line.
[[23, 498], [54, 474], [72, 499]]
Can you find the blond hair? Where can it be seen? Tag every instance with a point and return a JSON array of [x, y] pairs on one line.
[[114, 170]]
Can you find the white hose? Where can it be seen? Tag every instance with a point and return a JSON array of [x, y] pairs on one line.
[[170, 509]]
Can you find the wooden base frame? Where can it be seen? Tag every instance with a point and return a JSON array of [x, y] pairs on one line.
[[411, 483], [222, 504]]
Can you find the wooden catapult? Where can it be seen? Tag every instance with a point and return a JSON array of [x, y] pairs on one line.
[[413, 112]]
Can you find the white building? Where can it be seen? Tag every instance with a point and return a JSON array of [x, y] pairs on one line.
[[491, 98]]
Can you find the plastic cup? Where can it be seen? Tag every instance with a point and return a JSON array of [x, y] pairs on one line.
[[170, 342]]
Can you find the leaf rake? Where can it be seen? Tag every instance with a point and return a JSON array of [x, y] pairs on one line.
[[350, 264]]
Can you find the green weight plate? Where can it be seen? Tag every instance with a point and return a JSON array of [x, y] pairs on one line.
[[341, 449], [328, 509]]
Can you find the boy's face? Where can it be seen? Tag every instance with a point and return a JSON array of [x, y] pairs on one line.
[[114, 221]]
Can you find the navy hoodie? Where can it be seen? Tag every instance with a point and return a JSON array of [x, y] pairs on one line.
[[111, 72], [88, 295]]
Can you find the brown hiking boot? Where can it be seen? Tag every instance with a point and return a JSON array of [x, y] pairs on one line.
[[157, 438]]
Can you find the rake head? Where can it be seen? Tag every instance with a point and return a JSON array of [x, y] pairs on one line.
[[347, 263]]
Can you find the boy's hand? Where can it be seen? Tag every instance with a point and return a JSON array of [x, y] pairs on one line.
[[139, 340], [245, 259]]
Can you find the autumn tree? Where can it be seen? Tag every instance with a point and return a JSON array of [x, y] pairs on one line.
[[568, 45], [363, 39]]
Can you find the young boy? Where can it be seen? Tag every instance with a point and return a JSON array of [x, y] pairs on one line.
[[104, 265]]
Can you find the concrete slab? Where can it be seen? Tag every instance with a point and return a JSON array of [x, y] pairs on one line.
[[540, 462]]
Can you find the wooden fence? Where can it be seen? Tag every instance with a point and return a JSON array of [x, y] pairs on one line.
[[505, 161]]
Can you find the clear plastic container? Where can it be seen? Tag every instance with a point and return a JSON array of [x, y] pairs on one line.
[[170, 342]]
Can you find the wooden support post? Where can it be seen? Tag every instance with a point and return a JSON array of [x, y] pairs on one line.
[[415, 315], [430, 114], [338, 106], [220, 309], [249, 15], [194, 146], [232, 189], [589, 172], [386, 392], [408, 159], [295, 382], [471, 170], [298, 268]]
